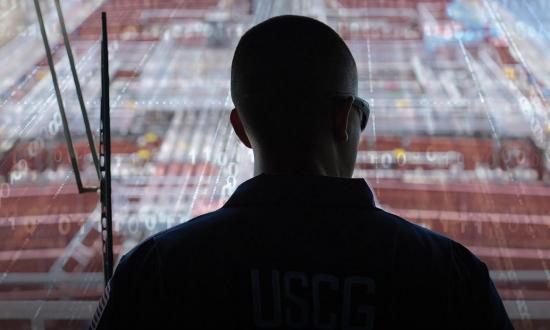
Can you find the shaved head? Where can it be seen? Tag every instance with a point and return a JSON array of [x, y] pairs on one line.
[[282, 68]]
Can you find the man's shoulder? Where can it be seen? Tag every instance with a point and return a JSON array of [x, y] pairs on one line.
[[407, 229], [425, 236], [192, 231], [213, 227], [169, 243], [209, 223]]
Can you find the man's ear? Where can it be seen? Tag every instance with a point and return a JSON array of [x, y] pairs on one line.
[[239, 128], [341, 116]]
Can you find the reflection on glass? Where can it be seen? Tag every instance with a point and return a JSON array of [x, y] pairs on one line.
[[458, 137]]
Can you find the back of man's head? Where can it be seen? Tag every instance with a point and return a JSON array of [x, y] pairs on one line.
[[282, 70]]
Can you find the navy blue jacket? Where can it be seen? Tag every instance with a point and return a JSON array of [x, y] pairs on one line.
[[305, 252]]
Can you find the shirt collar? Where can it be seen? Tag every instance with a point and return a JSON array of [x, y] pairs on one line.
[[302, 190]]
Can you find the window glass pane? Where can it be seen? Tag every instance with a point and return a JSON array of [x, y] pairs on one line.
[[457, 139]]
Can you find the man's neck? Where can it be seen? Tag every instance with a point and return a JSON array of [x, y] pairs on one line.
[[295, 166]]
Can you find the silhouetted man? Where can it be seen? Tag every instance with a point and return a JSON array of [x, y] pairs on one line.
[[301, 244]]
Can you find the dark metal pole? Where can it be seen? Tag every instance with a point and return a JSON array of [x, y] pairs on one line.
[[105, 156], [103, 166]]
